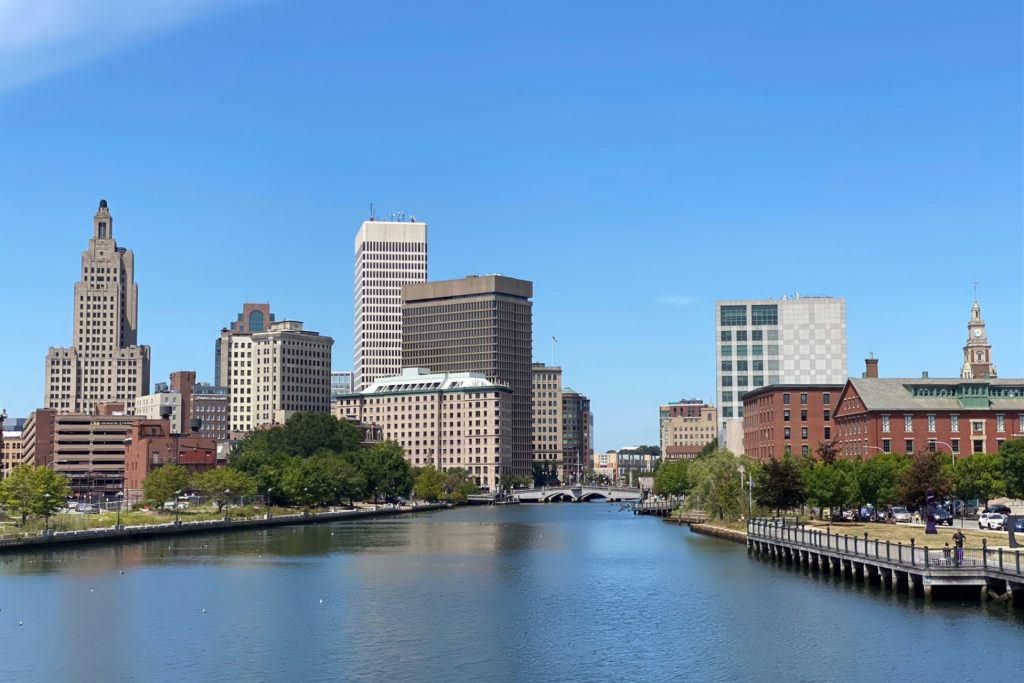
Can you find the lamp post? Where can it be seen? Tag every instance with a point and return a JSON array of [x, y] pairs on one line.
[[46, 518], [750, 494], [177, 511], [120, 499], [269, 489], [227, 499]]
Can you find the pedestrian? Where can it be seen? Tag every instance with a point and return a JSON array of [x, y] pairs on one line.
[[958, 541]]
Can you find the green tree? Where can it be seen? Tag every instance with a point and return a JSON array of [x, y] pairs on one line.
[[387, 472], [459, 485], [878, 478], [224, 484], [672, 478], [977, 476], [161, 484], [709, 448], [925, 472], [429, 484], [29, 490], [781, 485], [831, 485], [303, 435], [715, 485], [1011, 452]]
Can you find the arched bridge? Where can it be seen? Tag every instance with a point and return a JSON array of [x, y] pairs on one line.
[[578, 494]]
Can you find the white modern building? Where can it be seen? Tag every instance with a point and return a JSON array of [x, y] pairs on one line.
[[792, 340], [388, 254]]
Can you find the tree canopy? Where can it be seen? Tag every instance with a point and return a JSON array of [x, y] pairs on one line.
[[29, 490], [224, 484], [672, 478], [925, 472], [1012, 454], [780, 485], [715, 484], [161, 484]]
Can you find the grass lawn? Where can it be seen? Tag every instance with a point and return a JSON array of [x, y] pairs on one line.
[[899, 532]]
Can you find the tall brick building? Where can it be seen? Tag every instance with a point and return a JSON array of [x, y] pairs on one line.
[[793, 418]]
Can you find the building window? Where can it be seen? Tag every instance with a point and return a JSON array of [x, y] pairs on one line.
[[741, 350], [977, 426], [726, 351], [785, 432], [756, 335], [979, 445], [908, 446], [741, 365], [803, 432], [757, 365], [727, 411], [803, 416], [954, 445], [1000, 423], [805, 449], [256, 321], [773, 335], [726, 366], [785, 416], [726, 397], [785, 399], [741, 335], [726, 335], [826, 398], [773, 349], [727, 381], [758, 380], [954, 423], [828, 433], [908, 423], [733, 315], [887, 445], [741, 381], [931, 423], [764, 314], [803, 399]]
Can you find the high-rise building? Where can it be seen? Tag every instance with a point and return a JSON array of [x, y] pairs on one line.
[[548, 453], [577, 434], [292, 372], [448, 420], [686, 427], [104, 363], [793, 340], [210, 405], [388, 254], [977, 351], [478, 324]]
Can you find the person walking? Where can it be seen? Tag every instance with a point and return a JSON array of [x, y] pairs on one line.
[[958, 541]]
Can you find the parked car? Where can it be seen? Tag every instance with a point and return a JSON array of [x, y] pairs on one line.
[[1016, 522], [879, 515], [89, 508], [899, 513], [999, 509], [942, 516], [991, 520]]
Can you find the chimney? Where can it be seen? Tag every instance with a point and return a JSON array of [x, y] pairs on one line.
[[871, 366]]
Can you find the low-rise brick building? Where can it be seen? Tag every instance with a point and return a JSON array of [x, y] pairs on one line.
[[793, 418], [151, 444]]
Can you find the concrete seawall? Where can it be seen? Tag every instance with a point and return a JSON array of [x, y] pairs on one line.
[[720, 532], [141, 533]]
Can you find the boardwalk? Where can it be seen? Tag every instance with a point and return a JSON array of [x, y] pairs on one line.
[[993, 572]]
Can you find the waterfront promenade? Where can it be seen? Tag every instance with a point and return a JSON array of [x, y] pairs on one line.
[[991, 572], [173, 528]]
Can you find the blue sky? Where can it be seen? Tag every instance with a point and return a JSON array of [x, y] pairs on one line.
[[637, 161]]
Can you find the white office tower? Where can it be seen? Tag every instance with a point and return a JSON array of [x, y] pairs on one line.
[[792, 340], [389, 254]]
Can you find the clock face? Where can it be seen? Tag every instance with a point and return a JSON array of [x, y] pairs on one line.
[[977, 331]]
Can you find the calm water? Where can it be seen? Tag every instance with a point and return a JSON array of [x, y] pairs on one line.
[[555, 592]]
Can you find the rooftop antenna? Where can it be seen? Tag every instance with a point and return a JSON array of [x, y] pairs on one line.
[[373, 216], [975, 292]]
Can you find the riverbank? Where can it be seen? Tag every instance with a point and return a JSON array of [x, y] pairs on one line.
[[148, 531], [734, 535]]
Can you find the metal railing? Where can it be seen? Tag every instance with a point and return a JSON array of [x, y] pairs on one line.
[[912, 555]]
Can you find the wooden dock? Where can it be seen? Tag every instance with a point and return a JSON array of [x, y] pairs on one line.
[[993, 572]]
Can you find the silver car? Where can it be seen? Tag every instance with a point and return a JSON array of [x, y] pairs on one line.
[[901, 514]]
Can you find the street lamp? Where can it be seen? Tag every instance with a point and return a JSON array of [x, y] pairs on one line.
[[227, 497], [177, 511], [46, 523], [269, 489], [750, 489], [120, 499]]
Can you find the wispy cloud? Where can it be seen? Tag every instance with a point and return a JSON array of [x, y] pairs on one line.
[[675, 300], [42, 37]]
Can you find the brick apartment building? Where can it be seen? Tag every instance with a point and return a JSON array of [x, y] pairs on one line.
[[788, 417], [151, 444]]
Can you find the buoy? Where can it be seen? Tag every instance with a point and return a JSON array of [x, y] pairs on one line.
[[21, 623], [92, 590], [204, 610], [321, 601]]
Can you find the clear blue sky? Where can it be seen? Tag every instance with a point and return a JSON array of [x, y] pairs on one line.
[[636, 161]]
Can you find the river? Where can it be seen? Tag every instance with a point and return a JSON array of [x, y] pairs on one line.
[[531, 592]]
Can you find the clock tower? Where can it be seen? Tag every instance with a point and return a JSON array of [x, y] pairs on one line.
[[977, 351]]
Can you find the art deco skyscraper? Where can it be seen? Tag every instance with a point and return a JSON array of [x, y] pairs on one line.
[[104, 363], [389, 254]]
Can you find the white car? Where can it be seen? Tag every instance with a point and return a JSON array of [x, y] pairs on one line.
[[991, 520]]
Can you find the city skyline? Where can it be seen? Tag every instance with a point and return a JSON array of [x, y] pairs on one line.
[[625, 228]]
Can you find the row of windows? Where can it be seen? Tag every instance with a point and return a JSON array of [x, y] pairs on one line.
[[755, 335], [760, 314], [755, 350]]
